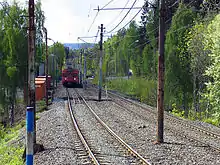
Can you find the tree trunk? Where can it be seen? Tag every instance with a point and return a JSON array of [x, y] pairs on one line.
[[194, 96], [11, 112], [186, 112]]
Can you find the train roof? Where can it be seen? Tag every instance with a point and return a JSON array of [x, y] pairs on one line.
[[70, 70]]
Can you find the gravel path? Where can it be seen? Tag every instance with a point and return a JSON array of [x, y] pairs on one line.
[[140, 133]]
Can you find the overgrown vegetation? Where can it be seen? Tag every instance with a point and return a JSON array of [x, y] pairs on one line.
[[14, 54], [10, 153], [192, 58], [139, 88]]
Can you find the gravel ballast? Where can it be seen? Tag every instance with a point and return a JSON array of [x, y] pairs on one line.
[[140, 133], [62, 145], [55, 132], [106, 148]]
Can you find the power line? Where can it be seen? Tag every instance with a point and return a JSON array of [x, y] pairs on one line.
[[118, 14], [123, 18], [83, 40], [96, 36], [128, 22], [106, 4], [88, 36], [156, 27], [118, 8], [93, 20], [97, 14]]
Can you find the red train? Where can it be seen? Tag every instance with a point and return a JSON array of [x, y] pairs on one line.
[[71, 78]]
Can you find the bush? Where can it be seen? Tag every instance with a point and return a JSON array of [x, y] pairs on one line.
[[143, 89], [10, 154]]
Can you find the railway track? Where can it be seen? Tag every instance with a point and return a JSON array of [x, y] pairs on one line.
[[93, 156], [172, 120]]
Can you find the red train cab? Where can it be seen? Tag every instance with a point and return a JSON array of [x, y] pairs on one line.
[[71, 77]]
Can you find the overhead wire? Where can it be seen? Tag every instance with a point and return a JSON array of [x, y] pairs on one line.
[[118, 14], [96, 36], [93, 21], [123, 17], [153, 29], [107, 4], [148, 32], [129, 21], [98, 13]]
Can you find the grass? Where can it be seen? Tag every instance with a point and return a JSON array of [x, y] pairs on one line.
[[10, 154], [140, 88], [40, 106], [146, 91]]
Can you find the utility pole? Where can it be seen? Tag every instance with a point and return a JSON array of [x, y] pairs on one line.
[[161, 69], [47, 84], [85, 83], [56, 71], [100, 64], [31, 132], [53, 76], [82, 51]]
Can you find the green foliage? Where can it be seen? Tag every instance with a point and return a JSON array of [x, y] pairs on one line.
[[212, 42], [178, 77], [59, 56], [10, 154], [14, 50], [177, 112], [191, 46], [142, 89], [41, 106], [11, 71]]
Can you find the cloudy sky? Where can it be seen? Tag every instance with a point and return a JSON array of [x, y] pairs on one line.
[[66, 20]]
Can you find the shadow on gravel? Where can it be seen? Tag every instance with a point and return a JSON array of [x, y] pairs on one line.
[[58, 99], [65, 98], [61, 148], [93, 99], [184, 144]]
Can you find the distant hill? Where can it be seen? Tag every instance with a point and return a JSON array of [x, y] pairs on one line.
[[78, 45]]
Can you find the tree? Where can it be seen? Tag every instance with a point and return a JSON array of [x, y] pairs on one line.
[[199, 61], [212, 40], [178, 77]]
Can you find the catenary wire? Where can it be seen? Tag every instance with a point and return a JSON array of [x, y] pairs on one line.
[[118, 14], [123, 17]]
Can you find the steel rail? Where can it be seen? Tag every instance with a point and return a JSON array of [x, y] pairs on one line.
[[171, 118], [181, 135], [91, 155], [129, 148]]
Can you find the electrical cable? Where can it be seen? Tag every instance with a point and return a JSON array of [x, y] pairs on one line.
[[153, 29], [118, 14], [123, 18], [97, 14], [107, 4], [93, 20], [96, 36]]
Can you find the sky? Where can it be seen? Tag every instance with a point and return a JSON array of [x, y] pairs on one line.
[[66, 20]]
